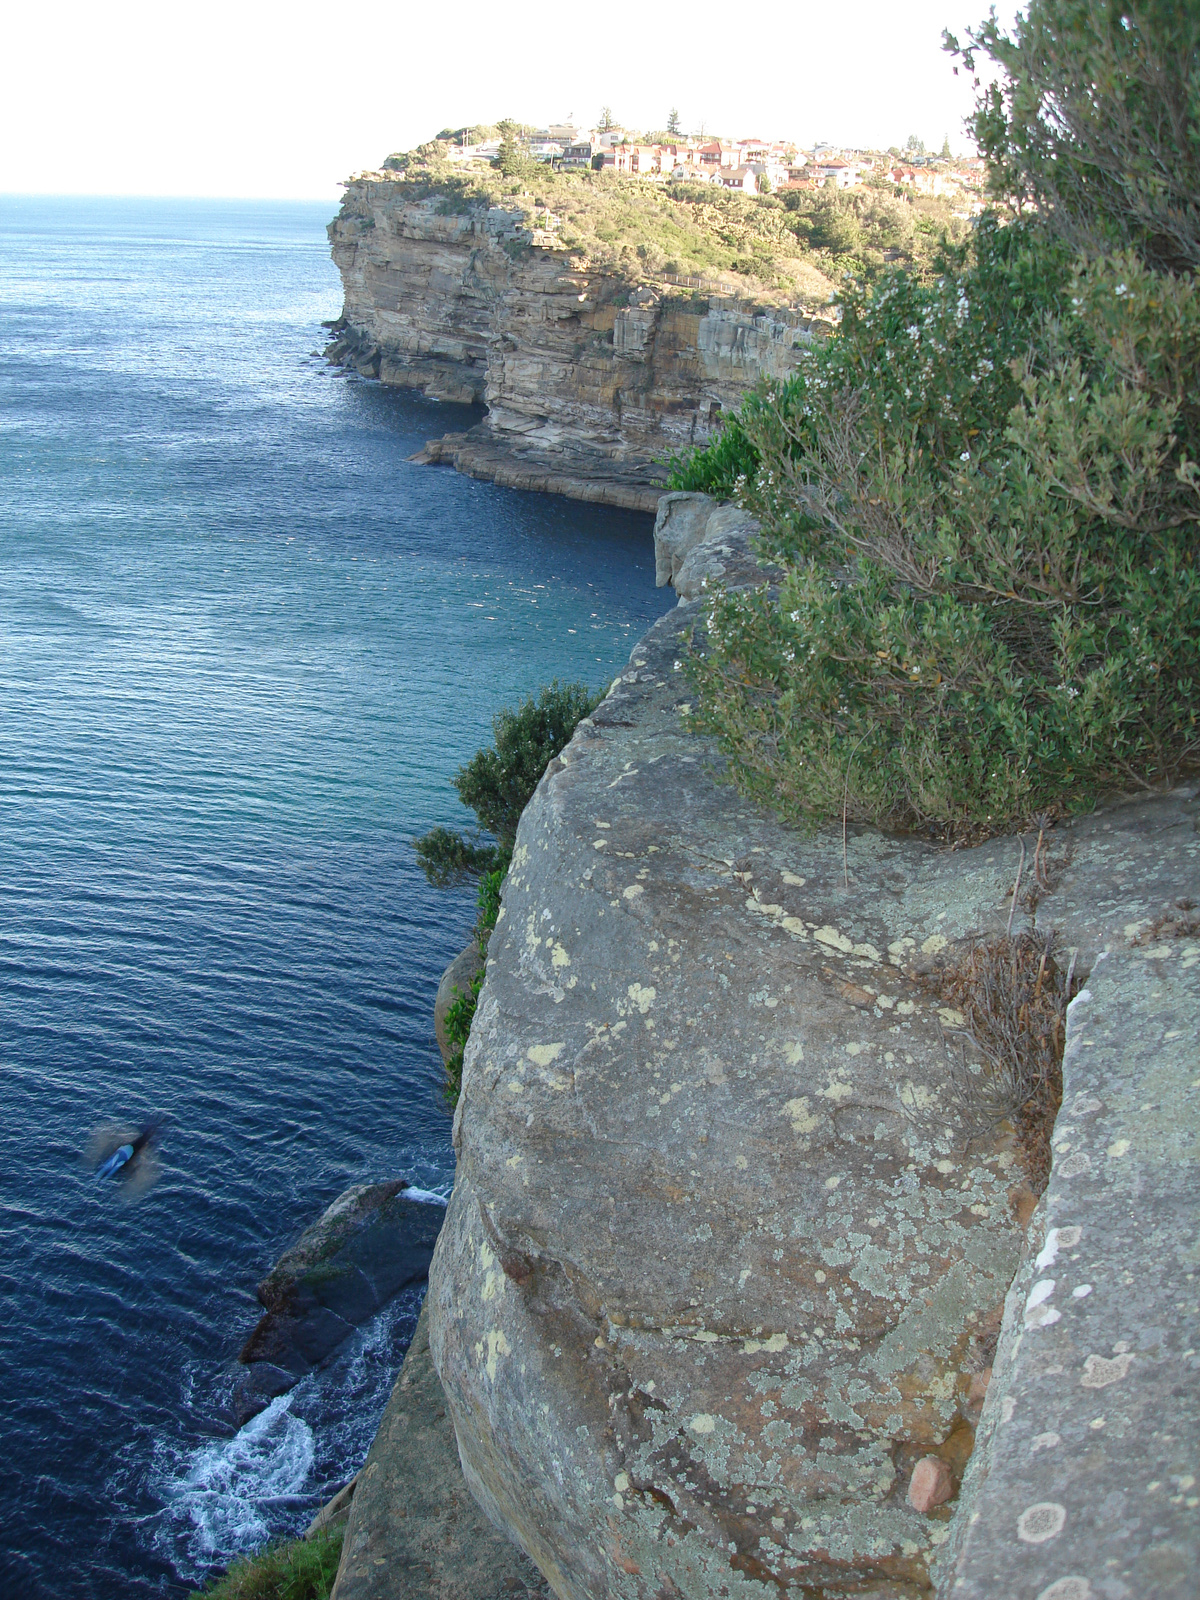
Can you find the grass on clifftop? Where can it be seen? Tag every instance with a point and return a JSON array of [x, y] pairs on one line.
[[797, 246], [984, 496], [303, 1569]]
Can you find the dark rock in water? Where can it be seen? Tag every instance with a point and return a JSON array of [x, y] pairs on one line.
[[369, 1244]]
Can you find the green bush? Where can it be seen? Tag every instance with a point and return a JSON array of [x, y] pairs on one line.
[[301, 1570], [983, 494], [447, 857], [498, 783], [984, 497], [1097, 122]]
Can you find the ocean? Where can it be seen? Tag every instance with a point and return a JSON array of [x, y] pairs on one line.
[[244, 645]]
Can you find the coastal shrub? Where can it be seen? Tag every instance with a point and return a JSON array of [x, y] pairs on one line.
[[1096, 123], [984, 497], [447, 857], [303, 1569], [498, 782]]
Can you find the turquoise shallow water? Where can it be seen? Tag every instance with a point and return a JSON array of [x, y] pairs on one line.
[[244, 643]]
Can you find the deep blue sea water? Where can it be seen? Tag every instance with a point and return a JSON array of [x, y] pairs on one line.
[[244, 644]]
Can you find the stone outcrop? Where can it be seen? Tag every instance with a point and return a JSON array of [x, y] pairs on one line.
[[1083, 1482], [722, 1279], [589, 378], [369, 1244], [414, 1532]]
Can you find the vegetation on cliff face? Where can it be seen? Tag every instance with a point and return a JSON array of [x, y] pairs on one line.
[[984, 495], [303, 1569], [498, 783], [795, 246]]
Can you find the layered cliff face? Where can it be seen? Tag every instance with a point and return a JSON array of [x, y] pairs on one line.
[[718, 1295], [587, 378]]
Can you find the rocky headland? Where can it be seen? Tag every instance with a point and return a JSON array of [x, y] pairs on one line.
[[741, 1291], [736, 1293], [590, 375]]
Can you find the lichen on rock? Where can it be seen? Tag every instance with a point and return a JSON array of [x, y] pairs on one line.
[[724, 1261]]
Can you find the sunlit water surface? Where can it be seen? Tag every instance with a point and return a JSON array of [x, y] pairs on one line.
[[244, 644]]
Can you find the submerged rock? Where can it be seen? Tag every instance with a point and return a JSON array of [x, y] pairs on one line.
[[727, 1254], [369, 1244]]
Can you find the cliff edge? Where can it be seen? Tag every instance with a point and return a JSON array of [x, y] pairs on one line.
[[589, 377], [731, 1258]]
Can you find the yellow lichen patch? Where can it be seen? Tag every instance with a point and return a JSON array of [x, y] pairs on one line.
[[915, 1095], [803, 1120], [702, 1422], [837, 1088], [633, 891], [868, 951], [790, 877], [794, 925], [543, 1054], [952, 1018], [834, 939], [558, 956], [934, 943], [497, 1346], [642, 996], [793, 1054]]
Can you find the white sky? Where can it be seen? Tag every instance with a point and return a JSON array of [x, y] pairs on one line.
[[263, 98]]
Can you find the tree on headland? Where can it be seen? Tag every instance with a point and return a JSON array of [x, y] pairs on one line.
[[673, 123], [947, 154], [914, 146], [607, 121], [511, 160]]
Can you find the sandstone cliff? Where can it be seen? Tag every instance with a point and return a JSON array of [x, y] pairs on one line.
[[588, 377], [718, 1295]]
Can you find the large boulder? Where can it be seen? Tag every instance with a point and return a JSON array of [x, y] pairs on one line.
[[728, 1249], [679, 525], [369, 1244]]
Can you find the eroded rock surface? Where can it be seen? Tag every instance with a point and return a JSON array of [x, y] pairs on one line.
[[722, 1263], [588, 378], [414, 1532]]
